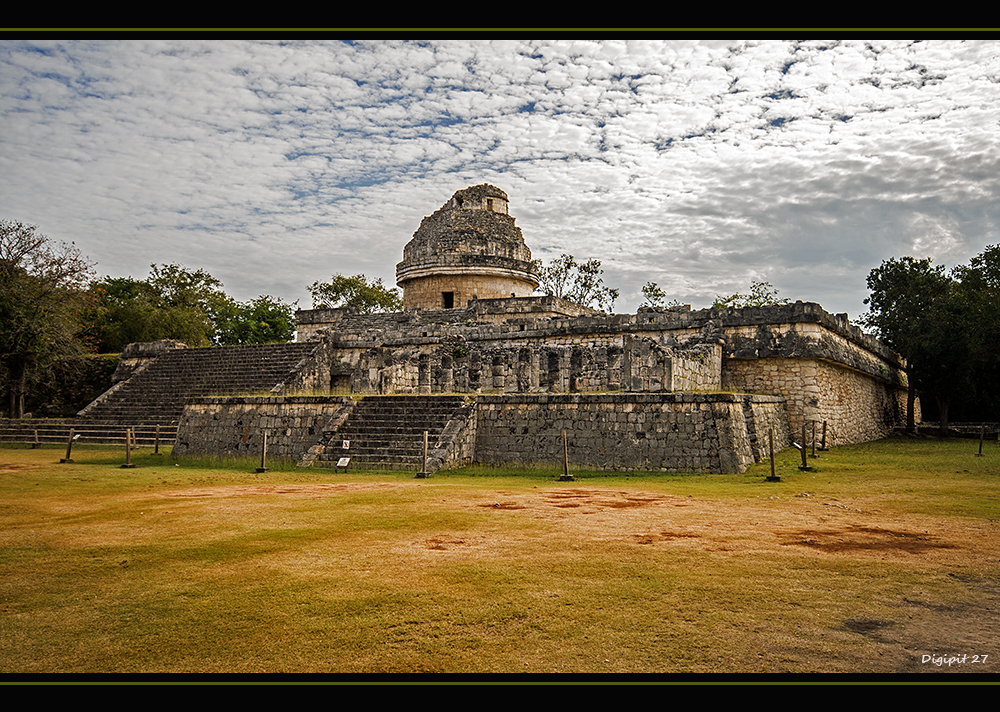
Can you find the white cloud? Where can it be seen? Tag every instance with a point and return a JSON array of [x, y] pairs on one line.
[[699, 165]]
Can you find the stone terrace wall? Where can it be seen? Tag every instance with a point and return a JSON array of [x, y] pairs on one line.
[[220, 426], [825, 367], [680, 432], [857, 406]]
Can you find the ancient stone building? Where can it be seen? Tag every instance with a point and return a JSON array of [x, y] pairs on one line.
[[495, 374], [469, 249]]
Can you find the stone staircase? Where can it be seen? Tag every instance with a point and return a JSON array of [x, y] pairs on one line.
[[158, 392], [387, 432]]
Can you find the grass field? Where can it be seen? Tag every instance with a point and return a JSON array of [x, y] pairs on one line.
[[887, 553]]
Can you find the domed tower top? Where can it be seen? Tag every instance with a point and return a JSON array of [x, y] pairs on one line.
[[468, 249]]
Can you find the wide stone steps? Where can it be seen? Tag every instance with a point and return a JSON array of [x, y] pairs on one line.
[[387, 432], [168, 383]]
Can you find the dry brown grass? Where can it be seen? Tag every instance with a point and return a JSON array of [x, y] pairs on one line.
[[865, 566]]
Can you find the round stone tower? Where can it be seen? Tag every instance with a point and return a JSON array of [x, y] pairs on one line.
[[468, 249]]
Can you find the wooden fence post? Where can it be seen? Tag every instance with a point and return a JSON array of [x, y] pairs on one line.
[[566, 477], [69, 447]]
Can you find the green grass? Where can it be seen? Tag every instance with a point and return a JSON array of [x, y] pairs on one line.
[[205, 566]]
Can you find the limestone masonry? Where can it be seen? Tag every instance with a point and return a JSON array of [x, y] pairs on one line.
[[664, 389], [469, 249]]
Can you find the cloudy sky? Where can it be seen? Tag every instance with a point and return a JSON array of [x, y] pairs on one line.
[[701, 165]]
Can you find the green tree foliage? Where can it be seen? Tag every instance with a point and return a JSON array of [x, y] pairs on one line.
[[944, 325], [127, 310], [180, 288], [187, 305], [173, 303], [979, 294], [907, 309], [762, 294], [42, 295], [582, 282], [367, 297], [264, 320], [654, 296], [65, 386]]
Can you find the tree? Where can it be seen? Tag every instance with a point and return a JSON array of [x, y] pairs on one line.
[[173, 303], [762, 294], [126, 310], [190, 306], [578, 282], [654, 296], [914, 309], [195, 297], [367, 297], [264, 320], [42, 295], [978, 285]]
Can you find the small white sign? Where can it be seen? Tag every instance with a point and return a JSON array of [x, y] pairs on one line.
[[347, 444], [344, 462]]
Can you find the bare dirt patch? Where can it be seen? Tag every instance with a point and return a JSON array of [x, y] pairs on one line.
[[439, 543], [860, 538], [6, 468], [270, 490]]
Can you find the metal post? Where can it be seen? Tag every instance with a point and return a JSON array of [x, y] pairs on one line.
[[813, 437], [982, 435], [823, 445], [156, 441], [805, 465]]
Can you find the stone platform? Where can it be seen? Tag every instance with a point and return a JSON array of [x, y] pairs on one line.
[[667, 432]]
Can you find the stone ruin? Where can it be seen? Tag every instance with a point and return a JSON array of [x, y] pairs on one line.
[[505, 372], [469, 249]]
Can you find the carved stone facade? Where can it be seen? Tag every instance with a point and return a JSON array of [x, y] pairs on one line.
[[450, 342], [468, 249], [824, 367], [662, 389]]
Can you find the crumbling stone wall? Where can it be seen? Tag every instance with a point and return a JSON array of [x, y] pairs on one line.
[[469, 248], [825, 367], [678, 432], [233, 426], [602, 364], [310, 323], [669, 432], [857, 406]]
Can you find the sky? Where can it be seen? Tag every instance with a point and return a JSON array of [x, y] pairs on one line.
[[700, 165]]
